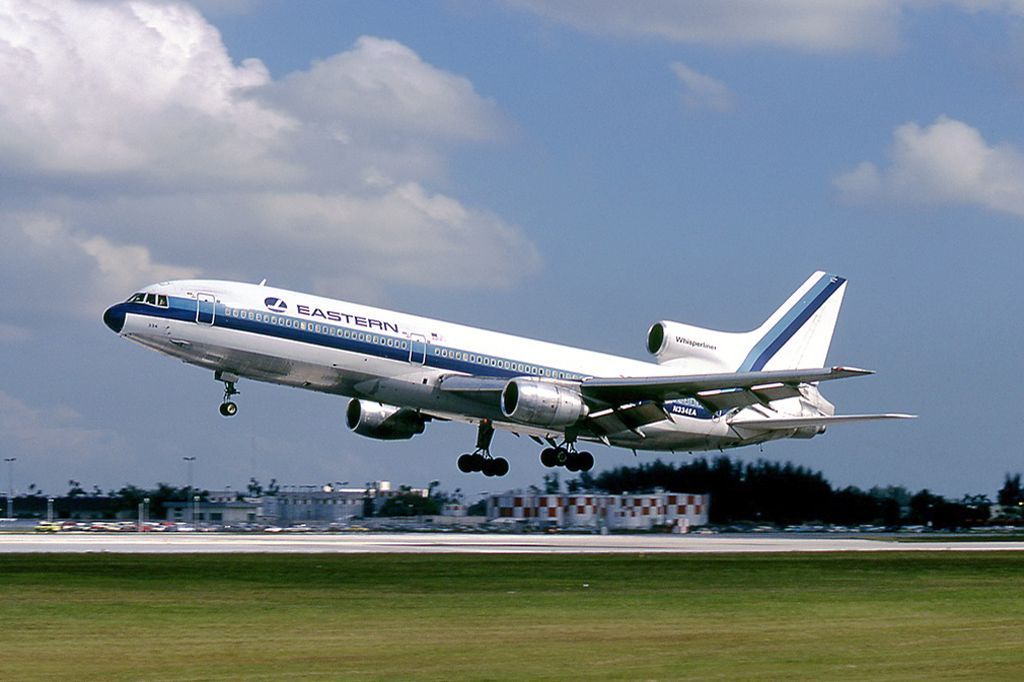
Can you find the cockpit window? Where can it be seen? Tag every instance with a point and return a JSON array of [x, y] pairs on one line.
[[159, 300]]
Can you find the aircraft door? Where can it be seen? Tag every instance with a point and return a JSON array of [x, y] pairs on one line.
[[206, 308], [417, 349]]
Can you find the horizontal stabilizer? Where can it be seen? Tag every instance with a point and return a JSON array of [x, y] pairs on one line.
[[786, 423]]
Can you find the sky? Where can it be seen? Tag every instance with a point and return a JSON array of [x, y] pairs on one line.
[[572, 171]]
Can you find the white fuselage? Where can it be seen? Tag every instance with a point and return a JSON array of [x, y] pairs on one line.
[[296, 339]]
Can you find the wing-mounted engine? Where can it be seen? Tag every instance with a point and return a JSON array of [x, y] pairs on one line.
[[384, 422], [695, 349], [542, 403]]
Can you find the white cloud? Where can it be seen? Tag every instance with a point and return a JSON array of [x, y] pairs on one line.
[[995, 6], [187, 157], [227, 7], [701, 91], [29, 430], [812, 25], [127, 89], [387, 233], [53, 442], [383, 85], [89, 271], [10, 333], [408, 235], [947, 162], [809, 25]]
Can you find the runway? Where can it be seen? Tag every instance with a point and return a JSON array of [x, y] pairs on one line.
[[458, 543]]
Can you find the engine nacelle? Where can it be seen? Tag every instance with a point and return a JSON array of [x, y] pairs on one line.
[[384, 422], [696, 349], [542, 403]]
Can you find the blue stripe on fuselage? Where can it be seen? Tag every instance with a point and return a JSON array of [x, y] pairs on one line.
[[332, 336]]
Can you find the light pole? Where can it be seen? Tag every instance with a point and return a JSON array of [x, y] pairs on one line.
[[49, 509], [189, 461], [195, 508], [10, 485]]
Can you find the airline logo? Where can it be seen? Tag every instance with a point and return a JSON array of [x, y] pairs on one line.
[[278, 305], [275, 304]]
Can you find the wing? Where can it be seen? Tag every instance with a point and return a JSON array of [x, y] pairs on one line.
[[714, 391], [620, 404]]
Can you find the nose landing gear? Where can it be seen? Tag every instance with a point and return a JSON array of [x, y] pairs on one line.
[[227, 407]]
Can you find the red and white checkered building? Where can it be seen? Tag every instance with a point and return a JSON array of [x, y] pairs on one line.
[[640, 512]]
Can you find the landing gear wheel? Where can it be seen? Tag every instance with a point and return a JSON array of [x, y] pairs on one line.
[[228, 409], [562, 457], [572, 463], [586, 461], [481, 459], [549, 458]]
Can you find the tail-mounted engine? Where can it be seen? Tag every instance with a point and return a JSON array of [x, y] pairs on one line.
[[695, 349], [542, 403], [384, 422]]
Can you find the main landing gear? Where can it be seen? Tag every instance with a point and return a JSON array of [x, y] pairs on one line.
[[227, 407], [566, 456], [480, 459]]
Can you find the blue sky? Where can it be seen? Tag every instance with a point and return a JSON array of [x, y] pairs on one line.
[[570, 171]]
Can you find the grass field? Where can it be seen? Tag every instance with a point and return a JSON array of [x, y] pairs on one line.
[[251, 617]]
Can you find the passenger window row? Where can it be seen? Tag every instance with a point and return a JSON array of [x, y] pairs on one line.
[[302, 325], [342, 332]]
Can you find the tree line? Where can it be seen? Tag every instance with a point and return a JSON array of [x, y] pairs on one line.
[[79, 502], [785, 494], [762, 491]]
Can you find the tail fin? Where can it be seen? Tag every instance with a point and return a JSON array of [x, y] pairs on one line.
[[798, 334]]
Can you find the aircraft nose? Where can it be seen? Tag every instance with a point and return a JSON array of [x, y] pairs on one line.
[[114, 318]]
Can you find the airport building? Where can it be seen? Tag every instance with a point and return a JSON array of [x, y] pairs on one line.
[[223, 512], [590, 510], [328, 504]]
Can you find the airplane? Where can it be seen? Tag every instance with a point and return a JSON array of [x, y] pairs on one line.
[[705, 390]]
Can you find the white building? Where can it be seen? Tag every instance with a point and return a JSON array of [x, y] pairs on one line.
[[323, 504], [328, 504], [592, 510], [233, 512]]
